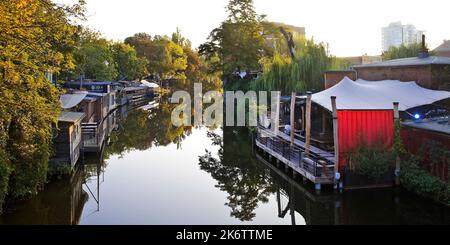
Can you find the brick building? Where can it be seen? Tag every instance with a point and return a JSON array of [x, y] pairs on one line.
[[432, 72], [443, 49], [333, 77]]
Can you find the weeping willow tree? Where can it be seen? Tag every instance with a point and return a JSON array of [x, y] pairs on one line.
[[281, 73]]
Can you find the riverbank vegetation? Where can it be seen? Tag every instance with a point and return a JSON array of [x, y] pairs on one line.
[[418, 172], [36, 38]]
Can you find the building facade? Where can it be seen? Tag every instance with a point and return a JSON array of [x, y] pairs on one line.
[[396, 34], [432, 72]]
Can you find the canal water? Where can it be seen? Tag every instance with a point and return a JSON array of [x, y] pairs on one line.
[[150, 172]]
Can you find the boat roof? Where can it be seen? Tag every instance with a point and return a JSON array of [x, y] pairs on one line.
[[439, 126], [70, 100], [134, 88], [94, 94], [90, 83], [70, 116], [413, 61]]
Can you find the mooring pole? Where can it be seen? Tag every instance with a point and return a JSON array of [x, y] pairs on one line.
[[292, 117], [335, 137], [275, 112], [396, 134], [308, 124]]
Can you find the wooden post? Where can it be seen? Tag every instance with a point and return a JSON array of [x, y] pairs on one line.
[[276, 113], [308, 124], [335, 135], [397, 157], [293, 97]]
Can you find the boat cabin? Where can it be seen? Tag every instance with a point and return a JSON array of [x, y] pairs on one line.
[[67, 140]]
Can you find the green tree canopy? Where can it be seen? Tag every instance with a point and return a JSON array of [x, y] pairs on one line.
[[94, 57], [238, 43], [166, 58], [128, 64]]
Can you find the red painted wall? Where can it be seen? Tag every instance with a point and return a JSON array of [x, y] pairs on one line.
[[372, 127]]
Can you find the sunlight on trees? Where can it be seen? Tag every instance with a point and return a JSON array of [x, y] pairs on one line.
[[36, 37]]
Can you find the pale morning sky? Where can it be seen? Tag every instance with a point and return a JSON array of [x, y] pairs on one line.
[[351, 27]]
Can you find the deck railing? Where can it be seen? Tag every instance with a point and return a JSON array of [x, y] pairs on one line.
[[317, 164]]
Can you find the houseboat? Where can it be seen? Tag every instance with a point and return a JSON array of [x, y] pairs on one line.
[[67, 139], [329, 125], [135, 95], [98, 103], [107, 91], [153, 89]]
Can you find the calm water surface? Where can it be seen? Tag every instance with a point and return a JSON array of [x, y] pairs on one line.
[[153, 173]]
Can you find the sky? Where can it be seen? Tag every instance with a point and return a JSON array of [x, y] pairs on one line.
[[350, 27]]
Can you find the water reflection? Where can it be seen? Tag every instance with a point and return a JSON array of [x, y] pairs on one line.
[[251, 179], [61, 203], [153, 173], [141, 130], [237, 173]]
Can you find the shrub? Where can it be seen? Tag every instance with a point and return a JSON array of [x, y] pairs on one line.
[[371, 162], [418, 180]]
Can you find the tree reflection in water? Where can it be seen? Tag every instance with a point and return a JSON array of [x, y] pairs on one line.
[[237, 172], [142, 129]]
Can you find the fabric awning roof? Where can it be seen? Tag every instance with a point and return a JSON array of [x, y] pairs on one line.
[[71, 100], [377, 95]]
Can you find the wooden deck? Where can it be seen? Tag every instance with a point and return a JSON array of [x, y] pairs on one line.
[[318, 166]]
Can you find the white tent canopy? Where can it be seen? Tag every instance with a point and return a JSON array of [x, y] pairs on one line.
[[145, 83], [377, 95], [71, 100]]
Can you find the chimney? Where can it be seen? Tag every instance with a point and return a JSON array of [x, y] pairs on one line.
[[423, 53]]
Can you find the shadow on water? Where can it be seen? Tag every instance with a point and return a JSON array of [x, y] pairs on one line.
[[62, 202]]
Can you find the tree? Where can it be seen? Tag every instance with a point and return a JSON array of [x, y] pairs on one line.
[[128, 64], [304, 73], [166, 58], [238, 42], [403, 51], [35, 37], [94, 57]]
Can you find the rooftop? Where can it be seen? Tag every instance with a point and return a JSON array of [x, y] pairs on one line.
[[439, 126], [414, 61], [70, 116], [443, 47], [89, 83], [129, 89]]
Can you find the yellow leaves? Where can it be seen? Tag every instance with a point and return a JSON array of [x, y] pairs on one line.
[[21, 3]]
